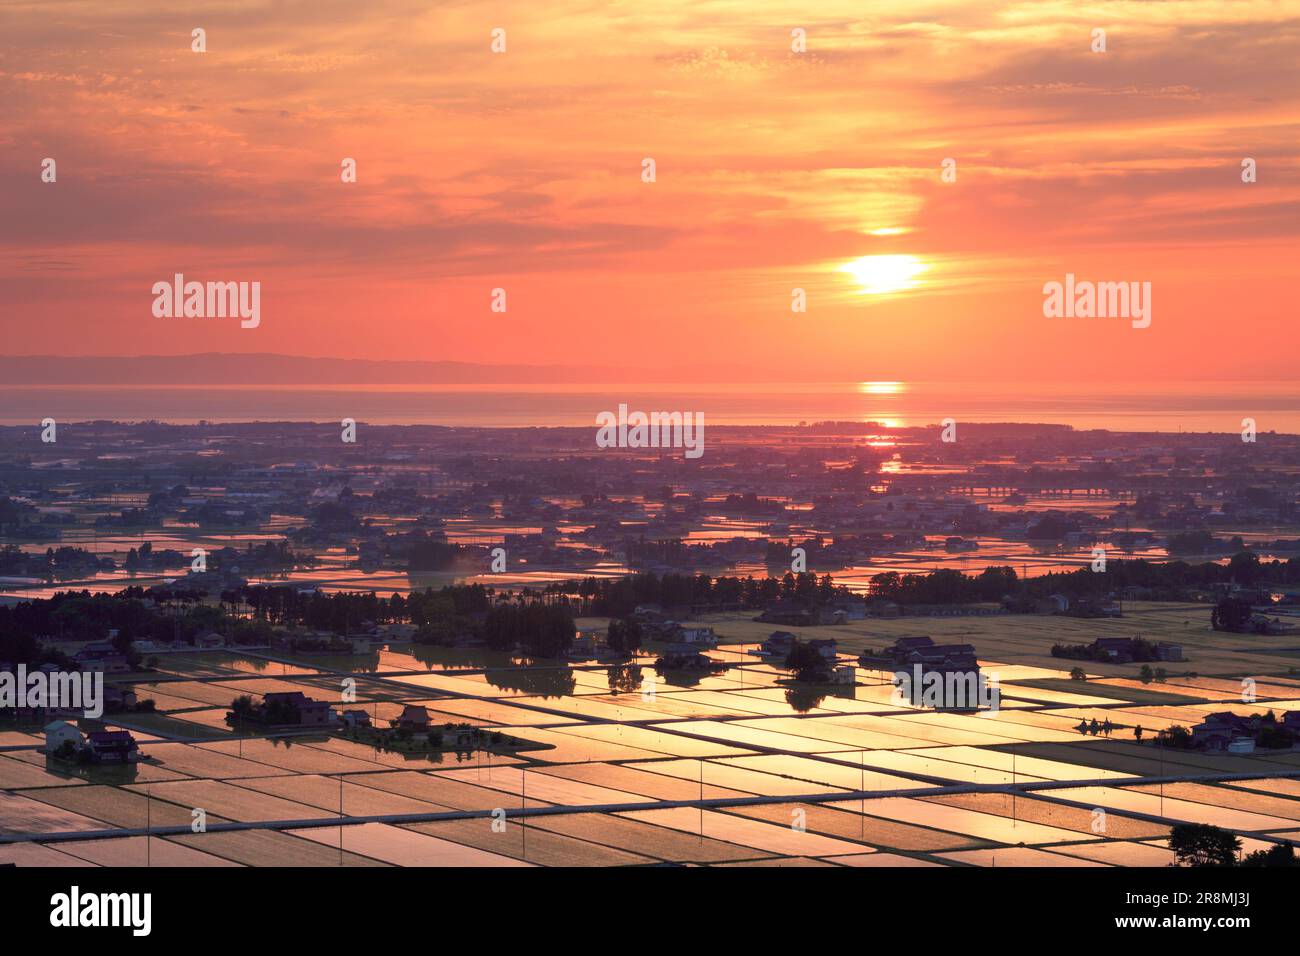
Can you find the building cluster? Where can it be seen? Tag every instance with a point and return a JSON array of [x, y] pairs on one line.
[[1241, 734], [64, 740]]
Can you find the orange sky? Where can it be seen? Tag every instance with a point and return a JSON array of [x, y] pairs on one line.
[[522, 170]]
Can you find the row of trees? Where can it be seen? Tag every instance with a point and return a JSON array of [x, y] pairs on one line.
[[619, 597], [952, 587], [1142, 650], [539, 630]]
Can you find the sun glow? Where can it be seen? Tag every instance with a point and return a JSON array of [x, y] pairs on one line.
[[881, 275]]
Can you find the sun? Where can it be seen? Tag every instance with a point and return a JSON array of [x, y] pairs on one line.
[[880, 275], [881, 388]]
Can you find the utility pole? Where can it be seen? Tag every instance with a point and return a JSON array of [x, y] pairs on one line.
[[862, 788]]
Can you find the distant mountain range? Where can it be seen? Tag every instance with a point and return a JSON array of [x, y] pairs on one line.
[[265, 368]]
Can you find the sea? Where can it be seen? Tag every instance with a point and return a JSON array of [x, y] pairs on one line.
[[1126, 406]]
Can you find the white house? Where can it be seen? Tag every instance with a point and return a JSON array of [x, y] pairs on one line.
[[59, 732], [844, 674], [700, 636], [364, 645]]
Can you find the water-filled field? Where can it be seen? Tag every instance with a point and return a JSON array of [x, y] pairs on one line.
[[721, 768]]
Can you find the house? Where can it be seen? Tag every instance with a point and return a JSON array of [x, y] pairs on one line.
[[308, 712], [1220, 729], [789, 613], [944, 656], [1095, 607], [118, 698], [414, 718], [778, 644], [684, 657], [583, 646], [854, 609], [826, 647], [657, 630], [112, 746], [956, 667], [355, 719], [96, 650], [905, 645], [458, 736], [362, 646], [698, 636], [1263, 624], [101, 656], [648, 614], [1166, 651], [113, 664], [1116, 649], [681, 648], [59, 732], [209, 639], [895, 654], [844, 674], [830, 615], [1052, 604]]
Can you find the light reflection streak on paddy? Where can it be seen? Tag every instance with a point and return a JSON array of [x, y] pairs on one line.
[[1172, 808]]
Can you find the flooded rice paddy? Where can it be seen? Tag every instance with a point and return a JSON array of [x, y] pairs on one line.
[[723, 770]]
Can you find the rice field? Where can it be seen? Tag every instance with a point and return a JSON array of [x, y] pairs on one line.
[[721, 770]]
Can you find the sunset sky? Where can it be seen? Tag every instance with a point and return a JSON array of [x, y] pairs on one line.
[[522, 170]]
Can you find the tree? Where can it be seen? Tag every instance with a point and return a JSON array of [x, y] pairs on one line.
[[1175, 737], [1078, 673], [1230, 614], [624, 678], [1145, 675], [66, 750], [806, 662], [1281, 854], [1200, 844], [1244, 567], [623, 636]]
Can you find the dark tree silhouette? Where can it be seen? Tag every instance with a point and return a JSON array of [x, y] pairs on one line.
[[1200, 844]]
